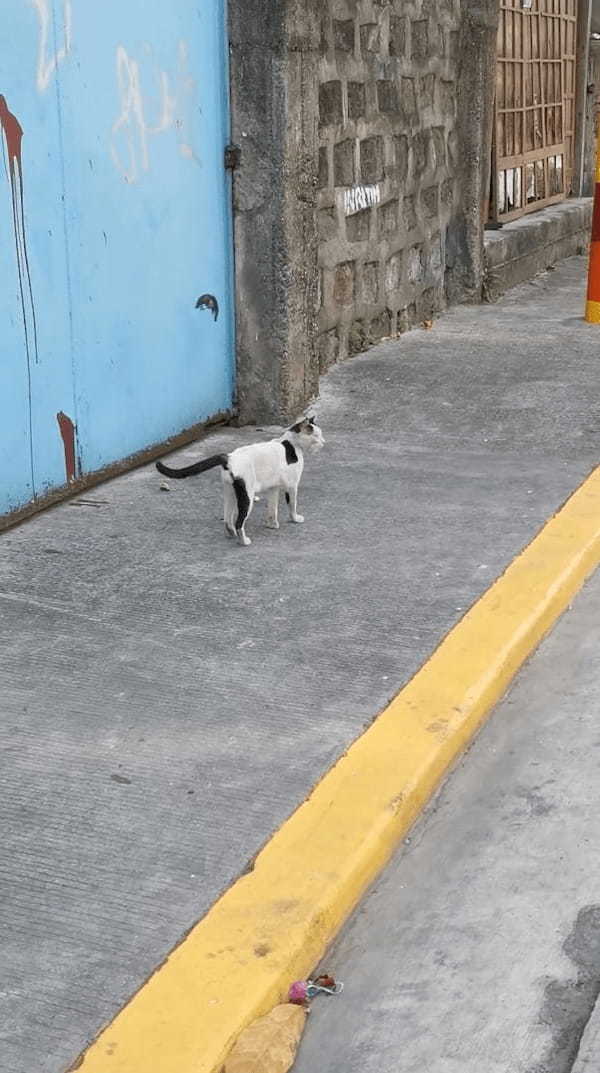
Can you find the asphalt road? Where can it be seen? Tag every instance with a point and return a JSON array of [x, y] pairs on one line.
[[479, 948]]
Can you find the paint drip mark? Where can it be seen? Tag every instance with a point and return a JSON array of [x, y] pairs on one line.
[[67, 431], [11, 145]]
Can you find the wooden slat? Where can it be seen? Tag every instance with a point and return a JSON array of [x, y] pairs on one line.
[[535, 105], [515, 214], [528, 158]]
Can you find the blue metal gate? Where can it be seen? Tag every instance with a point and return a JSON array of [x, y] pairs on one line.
[[114, 219]]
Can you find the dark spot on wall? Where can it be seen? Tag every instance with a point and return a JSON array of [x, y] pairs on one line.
[[330, 103], [208, 301], [357, 101]]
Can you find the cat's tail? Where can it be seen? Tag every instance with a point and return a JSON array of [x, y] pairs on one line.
[[196, 467]]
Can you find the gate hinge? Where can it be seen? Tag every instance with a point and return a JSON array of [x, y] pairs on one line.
[[233, 157]]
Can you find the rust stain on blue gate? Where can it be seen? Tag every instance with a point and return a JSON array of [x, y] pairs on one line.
[[114, 218]]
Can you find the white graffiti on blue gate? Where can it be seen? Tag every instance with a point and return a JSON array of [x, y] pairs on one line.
[[48, 61], [187, 92], [131, 130], [132, 120]]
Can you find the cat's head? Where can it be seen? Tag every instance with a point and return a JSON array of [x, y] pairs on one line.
[[308, 434]]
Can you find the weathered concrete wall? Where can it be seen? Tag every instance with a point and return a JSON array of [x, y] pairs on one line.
[[477, 48], [273, 56], [365, 129], [592, 118]]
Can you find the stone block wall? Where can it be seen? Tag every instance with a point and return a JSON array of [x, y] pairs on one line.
[[388, 166]]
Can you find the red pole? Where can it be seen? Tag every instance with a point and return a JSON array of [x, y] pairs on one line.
[[592, 305]]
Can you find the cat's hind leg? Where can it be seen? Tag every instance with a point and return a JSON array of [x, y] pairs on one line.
[[229, 508], [245, 502], [271, 521], [291, 497]]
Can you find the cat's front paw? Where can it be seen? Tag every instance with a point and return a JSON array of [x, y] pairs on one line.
[[298, 518], [244, 540], [271, 523]]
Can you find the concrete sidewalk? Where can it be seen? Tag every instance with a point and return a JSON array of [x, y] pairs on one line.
[[170, 698]]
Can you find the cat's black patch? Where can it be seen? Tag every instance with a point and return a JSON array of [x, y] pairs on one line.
[[290, 452], [243, 501], [287, 497], [297, 427]]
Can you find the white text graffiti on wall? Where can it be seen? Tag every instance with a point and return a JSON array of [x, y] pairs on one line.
[[49, 55], [361, 197], [134, 128]]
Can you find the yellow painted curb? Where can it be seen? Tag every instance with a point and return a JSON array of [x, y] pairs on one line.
[[592, 312], [274, 923]]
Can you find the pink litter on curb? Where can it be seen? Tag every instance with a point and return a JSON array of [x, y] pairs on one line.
[[298, 993]]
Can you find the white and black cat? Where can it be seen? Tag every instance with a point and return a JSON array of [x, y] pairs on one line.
[[268, 467]]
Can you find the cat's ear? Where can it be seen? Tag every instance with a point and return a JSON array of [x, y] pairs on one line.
[[311, 419], [297, 427]]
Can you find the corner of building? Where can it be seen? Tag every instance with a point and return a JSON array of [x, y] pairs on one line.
[[273, 56]]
